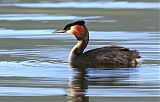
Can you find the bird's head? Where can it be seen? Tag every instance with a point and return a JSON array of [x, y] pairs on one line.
[[76, 28]]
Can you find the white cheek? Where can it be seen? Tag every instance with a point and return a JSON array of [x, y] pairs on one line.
[[72, 31], [69, 32]]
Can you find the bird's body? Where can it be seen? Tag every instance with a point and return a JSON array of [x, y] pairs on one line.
[[108, 56]]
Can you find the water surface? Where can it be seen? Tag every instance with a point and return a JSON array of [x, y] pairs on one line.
[[33, 61], [94, 4]]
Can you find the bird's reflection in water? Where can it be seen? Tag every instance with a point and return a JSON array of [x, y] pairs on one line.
[[84, 78], [78, 86]]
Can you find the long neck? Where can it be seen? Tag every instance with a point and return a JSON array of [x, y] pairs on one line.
[[78, 48]]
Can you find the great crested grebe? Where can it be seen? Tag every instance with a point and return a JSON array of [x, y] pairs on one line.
[[108, 56]]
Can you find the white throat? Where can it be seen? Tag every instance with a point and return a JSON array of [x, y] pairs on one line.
[[78, 49]]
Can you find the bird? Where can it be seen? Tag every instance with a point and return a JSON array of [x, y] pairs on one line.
[[107, 56]]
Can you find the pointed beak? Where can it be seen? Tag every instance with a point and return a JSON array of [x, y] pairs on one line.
[[59, 31]]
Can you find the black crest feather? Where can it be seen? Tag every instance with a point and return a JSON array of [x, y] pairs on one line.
[[67, 27]]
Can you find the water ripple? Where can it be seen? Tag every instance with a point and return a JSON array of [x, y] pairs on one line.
[[42, 17], [108, 5]]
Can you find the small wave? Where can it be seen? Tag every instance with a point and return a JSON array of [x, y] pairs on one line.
[[108, 5], [40, 17]]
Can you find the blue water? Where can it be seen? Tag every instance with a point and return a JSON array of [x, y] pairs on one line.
[[104, 4], [34, 62]]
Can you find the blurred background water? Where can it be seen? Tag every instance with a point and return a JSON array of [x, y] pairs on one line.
[[33, 61]]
